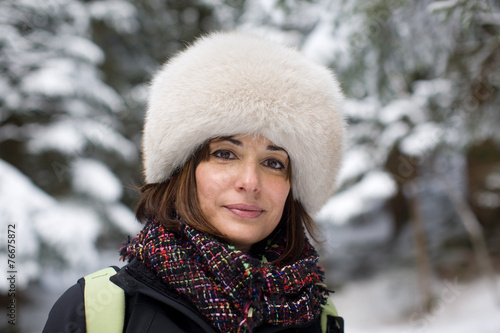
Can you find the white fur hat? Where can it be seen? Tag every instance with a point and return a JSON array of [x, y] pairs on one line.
[[234, 83]]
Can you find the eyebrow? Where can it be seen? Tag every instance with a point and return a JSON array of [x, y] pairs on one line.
[[240, 144], [276, 148]]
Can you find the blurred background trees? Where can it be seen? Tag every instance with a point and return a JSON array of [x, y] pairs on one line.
[[422, 83]]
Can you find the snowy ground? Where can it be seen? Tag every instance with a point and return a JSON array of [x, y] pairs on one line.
[[386, 304]]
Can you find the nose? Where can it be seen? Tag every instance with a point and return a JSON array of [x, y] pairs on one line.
[[248, 178]]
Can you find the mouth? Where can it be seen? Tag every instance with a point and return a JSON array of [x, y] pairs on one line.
[[245, 211]]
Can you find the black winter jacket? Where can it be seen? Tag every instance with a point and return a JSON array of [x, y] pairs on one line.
[[151, 306]]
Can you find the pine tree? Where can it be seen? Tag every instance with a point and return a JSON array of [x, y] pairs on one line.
[[61, 137]]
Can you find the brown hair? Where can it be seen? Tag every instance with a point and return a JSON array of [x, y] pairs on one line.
[[178, 197]]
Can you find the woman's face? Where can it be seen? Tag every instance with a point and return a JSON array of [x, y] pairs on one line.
[[242, 188]]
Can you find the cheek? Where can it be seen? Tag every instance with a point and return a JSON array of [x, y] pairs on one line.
[[280, 192], [209, 184]]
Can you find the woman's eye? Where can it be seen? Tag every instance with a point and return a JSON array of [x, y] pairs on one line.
[[274, 164], [224, 154]]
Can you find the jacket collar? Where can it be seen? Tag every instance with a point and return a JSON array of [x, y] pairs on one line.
[[137, 278]]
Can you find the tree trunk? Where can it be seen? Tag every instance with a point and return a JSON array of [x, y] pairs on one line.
[[420, 241]]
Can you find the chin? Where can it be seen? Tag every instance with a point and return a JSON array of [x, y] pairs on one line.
[[242, 243], [243, 234]]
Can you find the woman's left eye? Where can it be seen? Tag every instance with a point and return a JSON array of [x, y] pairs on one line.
[[274, 164]]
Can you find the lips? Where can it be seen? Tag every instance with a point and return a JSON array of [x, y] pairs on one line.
[[245, 211]]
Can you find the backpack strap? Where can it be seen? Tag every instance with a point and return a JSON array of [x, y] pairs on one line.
[[330, 320], [104, 302]]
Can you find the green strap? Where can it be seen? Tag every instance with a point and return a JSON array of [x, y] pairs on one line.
[[329, 309], [104, 303]]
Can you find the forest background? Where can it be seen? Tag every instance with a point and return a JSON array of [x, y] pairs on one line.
[[411, 241]]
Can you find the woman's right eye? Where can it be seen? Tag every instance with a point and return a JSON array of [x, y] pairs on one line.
[[224, 154]]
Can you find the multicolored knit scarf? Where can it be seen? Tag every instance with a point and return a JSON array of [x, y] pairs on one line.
[[235, 291]]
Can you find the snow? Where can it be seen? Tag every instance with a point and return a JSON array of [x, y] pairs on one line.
[[124, 219], [20, 197], [52, 80], [330, 42], [78, 47], [270, 8], [361, 109], [493, 181], [64, 77], [319, 45], [488, 199], [94, 179], [442, 90], [399, 109], [79, 137], [393, 133], [356, 162], [10, 97], [388, 304], [54, 99], [70, 229], [105, 136], [437, 6], [59, 136], [119, 14], [375, 187], [40, 219], [490, 18], [424, 138]]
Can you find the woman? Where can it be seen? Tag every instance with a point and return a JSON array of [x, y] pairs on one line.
[[242, 144]]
